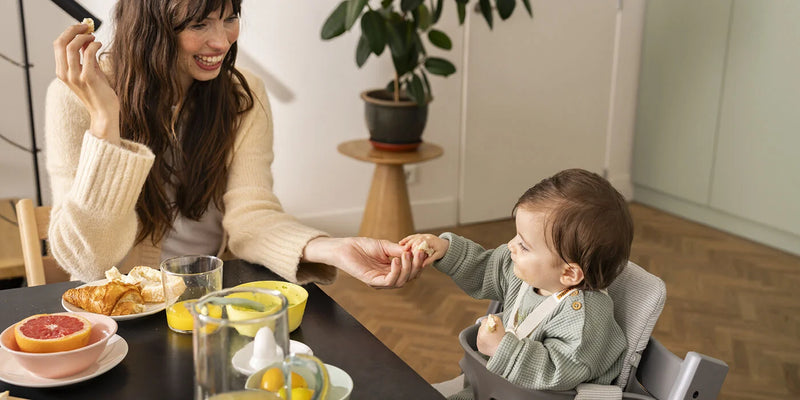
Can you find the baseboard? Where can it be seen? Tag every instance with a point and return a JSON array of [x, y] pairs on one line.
[[723, 221], [428, 214], [623, 184]]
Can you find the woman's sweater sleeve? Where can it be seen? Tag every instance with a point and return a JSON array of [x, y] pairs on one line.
[[94, 186], [258, 228]]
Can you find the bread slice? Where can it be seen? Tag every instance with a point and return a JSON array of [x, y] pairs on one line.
[[149, 282]]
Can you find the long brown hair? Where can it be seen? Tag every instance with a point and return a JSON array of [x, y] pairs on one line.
[[143, 58], [588, 223]]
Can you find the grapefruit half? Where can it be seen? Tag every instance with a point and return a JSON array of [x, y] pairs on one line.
[[49, 333]]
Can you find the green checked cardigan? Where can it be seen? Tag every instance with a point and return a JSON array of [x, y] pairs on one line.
[[569, 347]]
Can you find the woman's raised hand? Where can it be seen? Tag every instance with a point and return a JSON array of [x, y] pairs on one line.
[[87, 81]]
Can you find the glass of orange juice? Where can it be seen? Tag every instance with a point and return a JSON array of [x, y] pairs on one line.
[[186, 279]]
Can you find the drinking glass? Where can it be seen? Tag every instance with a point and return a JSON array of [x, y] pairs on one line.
[[241, 332], [186, 279]]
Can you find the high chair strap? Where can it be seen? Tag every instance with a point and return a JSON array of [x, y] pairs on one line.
[[591, 391], [545, 308]]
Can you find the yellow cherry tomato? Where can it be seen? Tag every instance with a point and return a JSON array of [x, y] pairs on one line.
[[272, 380], [298, 381], [302, 394], [297, 393]]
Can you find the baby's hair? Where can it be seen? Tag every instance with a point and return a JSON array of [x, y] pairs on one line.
[[588, 223]]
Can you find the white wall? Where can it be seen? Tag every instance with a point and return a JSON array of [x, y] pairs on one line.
[[314, 88], [44, 22]]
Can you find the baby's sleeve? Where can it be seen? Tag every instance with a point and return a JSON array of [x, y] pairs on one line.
[[477, 271]]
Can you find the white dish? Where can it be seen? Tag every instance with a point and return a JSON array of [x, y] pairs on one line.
[[13, 373], [149, 308], [241, 360], [341, 384]]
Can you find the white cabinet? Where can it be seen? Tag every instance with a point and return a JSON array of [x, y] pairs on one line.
[[539, 98], [718, 128], [682, 59]]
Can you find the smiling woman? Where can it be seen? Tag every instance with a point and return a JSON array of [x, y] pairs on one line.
[[204, 45], [163, 148]]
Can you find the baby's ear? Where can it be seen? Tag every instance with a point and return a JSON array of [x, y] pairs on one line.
[[572, 275]]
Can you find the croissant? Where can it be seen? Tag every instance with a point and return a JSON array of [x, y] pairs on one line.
[[113, 298]]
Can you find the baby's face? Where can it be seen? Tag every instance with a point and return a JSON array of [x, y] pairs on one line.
[[535, 261]]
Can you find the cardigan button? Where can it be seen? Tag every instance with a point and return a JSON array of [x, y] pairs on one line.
[[576, 305]]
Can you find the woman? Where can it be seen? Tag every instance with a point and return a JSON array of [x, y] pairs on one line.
[[164, 148]]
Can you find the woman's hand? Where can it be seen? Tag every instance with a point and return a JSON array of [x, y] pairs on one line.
[[418, 244], [490, 335], [87, 81], [378, 263]]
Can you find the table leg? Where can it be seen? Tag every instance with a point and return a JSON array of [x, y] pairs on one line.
[[387, 214]]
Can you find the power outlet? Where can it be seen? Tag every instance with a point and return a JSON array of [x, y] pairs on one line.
[[411, 174]]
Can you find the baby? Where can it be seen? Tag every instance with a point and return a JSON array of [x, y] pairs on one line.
[[574, 234]]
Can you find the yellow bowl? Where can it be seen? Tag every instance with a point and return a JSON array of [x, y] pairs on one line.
[[296, 295]]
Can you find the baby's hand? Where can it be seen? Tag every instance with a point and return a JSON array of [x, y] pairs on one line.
[[490, 334], [425, 247]]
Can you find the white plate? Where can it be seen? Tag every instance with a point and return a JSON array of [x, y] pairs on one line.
[[13, 373], [149, 308], [241, 360]]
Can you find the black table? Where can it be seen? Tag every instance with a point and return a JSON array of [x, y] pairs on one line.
[[159, 361]]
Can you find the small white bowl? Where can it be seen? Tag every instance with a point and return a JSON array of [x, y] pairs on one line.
[[340, 384], [63, 363]]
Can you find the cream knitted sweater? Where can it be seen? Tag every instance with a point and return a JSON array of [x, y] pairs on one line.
[[95, 186]]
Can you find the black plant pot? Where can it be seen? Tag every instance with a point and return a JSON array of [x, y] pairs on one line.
[[394, 126]]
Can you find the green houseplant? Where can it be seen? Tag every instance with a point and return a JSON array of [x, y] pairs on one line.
[[396, 115]]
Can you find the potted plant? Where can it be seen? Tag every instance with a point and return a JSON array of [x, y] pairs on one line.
[[396, 115]]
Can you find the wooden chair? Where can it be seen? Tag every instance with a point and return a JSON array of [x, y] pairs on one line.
[[33, 223]]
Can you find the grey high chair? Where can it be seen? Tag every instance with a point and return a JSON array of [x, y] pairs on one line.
[[650, 371]]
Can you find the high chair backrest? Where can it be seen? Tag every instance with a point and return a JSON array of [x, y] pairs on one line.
[[639, 298], [33, 223]]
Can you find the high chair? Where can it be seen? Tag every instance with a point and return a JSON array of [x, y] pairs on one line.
[[650, 370], [33, 223]]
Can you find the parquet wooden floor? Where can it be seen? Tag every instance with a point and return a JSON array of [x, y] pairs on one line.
[[727, 297]]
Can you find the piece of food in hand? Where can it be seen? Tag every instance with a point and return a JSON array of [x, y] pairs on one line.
[[48, 333], [423, 245], [90, 23], [113, 298], [491, 323]]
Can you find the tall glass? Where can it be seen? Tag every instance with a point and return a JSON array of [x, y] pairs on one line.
[[186, 279], [239, 333]]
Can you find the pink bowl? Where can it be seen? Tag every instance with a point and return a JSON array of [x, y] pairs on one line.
[[63, 363]]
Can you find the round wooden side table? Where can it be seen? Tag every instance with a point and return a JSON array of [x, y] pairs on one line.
[[387, 214]]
